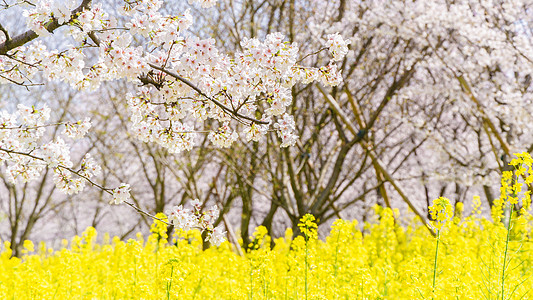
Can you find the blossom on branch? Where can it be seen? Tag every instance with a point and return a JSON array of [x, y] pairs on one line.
[[121, 193], [337, 46], [187, 219]]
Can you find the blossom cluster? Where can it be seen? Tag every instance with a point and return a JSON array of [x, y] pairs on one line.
[[262, 73], [255, 81], [337, 46], [183, 81], [121, 193], [26, 155], [187, 219], [79, 129], [38, 17]]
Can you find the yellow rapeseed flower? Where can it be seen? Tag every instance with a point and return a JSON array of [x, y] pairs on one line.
[[441, 212], [308, 226]]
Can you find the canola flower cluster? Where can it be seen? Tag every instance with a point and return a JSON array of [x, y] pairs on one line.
[[389, 257], [384, 261]]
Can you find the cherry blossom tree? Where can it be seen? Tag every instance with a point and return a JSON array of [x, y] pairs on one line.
[[394, 102], [184, 82]]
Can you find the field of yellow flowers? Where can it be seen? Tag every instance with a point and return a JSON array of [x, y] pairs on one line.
[[468, 257]]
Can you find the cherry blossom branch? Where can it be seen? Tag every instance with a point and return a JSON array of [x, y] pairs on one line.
[[145, 213], [19, 83], [107, 190], [6, 5], [20, 61], [310, 54], [216, 102], [35, 127], [147, 80], [30, 35]]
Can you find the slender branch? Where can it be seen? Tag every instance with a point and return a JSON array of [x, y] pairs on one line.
[[12, 57], [59, 166], [35, 127], [146, 214], [216, 102], [19, 83], [310, 54], [107, 190]]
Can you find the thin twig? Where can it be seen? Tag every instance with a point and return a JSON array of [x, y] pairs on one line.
[[146, 214], [34, 127], [316, 52]]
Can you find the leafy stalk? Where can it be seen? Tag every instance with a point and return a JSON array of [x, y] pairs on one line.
[[506, 250], [435, 263], [306, 263]]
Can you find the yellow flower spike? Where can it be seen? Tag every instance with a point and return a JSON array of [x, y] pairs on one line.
[[526, 202], [460, 207], [106, 240], [528, 160], [520, 171], [308, 226], [260, 232], [89, 236], [28, 246], [507, 176], [441, 212], [514, 162], [396, 212], [289, 234], [7, 249], [42, 248]]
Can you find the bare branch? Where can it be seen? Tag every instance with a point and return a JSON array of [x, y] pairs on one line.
[[378, 163]]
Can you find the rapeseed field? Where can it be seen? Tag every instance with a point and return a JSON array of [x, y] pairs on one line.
[[391, 257]]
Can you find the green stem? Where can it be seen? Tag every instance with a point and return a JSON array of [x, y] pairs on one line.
[[506, 249], [169, 284], [306, 254], [435, 263]]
